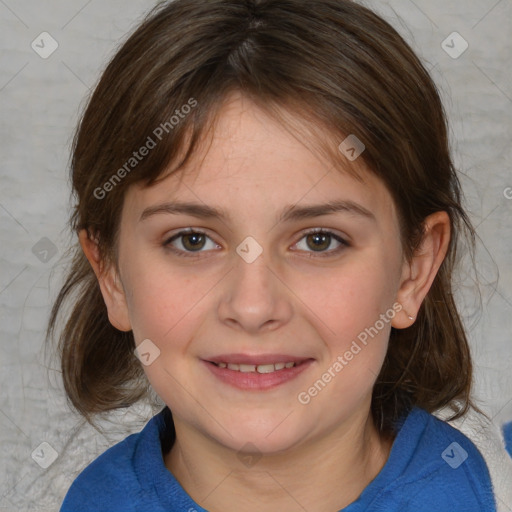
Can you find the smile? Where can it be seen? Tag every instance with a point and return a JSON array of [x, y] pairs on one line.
[[260, 368], [256, 373]]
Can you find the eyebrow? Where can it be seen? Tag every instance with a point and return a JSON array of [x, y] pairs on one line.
[[289, 213]]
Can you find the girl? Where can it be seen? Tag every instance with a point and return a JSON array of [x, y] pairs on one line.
[[268, 219]]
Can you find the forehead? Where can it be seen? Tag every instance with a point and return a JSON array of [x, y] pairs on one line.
[[253, 161]]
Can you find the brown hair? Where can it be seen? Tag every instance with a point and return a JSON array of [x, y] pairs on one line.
[[339, 67]]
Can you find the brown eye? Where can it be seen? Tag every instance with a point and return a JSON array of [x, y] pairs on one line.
[[185, 243], [193, 241], [318, 241]]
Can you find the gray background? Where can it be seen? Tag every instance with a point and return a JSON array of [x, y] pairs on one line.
[[40, 101]]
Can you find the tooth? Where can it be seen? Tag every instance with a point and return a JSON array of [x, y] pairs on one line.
[[245, 368], [262, 368], [265, 368]]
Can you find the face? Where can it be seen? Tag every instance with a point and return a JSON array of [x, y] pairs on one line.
[[261, 288]]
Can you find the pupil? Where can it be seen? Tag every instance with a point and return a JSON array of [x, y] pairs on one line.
[[197, 239], [319, 237]]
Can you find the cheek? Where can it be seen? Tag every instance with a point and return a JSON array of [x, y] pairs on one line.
[[351, 309], [152, 306], [348, 299], [161, 301], [167, 305]]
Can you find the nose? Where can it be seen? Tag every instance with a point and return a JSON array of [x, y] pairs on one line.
[[254, 297]]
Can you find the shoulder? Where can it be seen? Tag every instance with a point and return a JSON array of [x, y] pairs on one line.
[[442, 470], [117, 480], [106, 483]]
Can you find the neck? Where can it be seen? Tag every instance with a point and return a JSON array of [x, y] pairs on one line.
[[319, 475]]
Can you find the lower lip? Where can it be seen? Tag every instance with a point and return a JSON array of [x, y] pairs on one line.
[[257, 381]]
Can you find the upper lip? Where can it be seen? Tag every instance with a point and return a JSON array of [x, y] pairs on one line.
[[256, 359]]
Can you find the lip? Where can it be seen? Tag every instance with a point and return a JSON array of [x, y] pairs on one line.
[[256, 359], [254, 381]]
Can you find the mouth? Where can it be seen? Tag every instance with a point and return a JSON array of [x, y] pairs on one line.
[[256, 372], [253, 368]]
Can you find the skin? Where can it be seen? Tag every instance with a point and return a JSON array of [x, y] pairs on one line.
[[290, 300]]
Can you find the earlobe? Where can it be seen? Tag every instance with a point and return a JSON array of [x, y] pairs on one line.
[[419, 273], [111, 289]]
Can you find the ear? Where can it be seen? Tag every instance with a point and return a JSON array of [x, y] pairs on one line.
[[112, 291], [419, 273]]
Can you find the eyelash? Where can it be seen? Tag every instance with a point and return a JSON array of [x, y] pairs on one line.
[[323, 254]]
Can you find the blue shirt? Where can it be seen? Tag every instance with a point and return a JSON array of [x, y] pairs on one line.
[[432, 467], [507, 434]]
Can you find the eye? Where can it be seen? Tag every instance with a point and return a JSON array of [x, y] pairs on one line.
[[319, 239], [193, 240]]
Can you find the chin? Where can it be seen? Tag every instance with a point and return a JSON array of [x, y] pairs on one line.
[[267, 437]]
